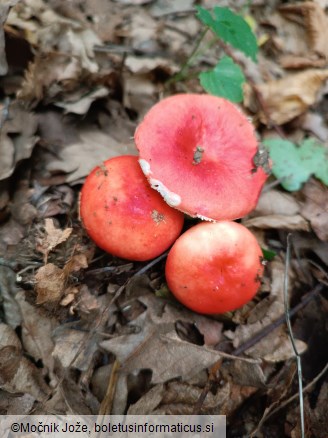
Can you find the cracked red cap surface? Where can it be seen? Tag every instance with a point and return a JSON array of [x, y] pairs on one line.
[[198, 152]]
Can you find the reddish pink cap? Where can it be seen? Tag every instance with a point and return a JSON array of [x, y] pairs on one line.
[[197, 150]]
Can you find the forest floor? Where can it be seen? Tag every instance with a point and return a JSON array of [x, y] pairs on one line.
[[84, 332]]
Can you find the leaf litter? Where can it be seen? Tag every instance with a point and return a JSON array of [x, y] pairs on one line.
[[74, 318]]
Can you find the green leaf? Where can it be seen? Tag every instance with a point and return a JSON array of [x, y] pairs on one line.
[[295, 164], [268, 254], [231, 28], [225, 80], [315, 156]]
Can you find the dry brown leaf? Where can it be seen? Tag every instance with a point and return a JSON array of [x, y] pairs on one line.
[[11, 233], [8, 290], [317, 416], [315, 123], [17, 139], [82, 104], [37, 328], [51, 32], [284, 350], [99, 384], [148, 402], [169, 357], [260, 319], [275, 202], [50, 284], [52, 237], [312, 17], [94, 147], [17, 373], [164, 8], [4, 10], [315, 208], [276, 221], [48, 76], [247, 373], [69, 342], [288, 97], [75, 263], [178, 398], [144, 65]]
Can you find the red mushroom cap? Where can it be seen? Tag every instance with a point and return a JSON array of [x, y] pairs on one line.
[[197, 151], [214, 267], [123, 215]]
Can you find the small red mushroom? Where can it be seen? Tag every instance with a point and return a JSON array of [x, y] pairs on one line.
[[214, 267], [198, 151], [124, 215]]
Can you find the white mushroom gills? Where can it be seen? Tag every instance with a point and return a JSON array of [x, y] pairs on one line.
[[171, 198], [145, 167]]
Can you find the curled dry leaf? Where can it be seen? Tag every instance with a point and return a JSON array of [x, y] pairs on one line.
[[288, 97], [49, 76], [314, 21], [315, 208], [17, 139], [50, 283], [4, 10], [52, 238], [82, 104]]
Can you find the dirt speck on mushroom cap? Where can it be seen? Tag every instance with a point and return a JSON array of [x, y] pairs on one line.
[[201, 149]]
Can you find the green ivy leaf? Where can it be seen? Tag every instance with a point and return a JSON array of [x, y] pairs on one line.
[[231, 28], [225, 80], [295, 164]]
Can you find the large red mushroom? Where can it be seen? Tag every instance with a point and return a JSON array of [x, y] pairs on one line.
[[124, 215], [199, 152]]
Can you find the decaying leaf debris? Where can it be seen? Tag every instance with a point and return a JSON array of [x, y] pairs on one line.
[[84, 332]]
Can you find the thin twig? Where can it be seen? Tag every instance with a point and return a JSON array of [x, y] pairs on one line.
[[291, 336], [106, 404], [180, 74]]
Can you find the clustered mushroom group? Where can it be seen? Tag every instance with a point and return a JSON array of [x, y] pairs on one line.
[[196, 157]]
